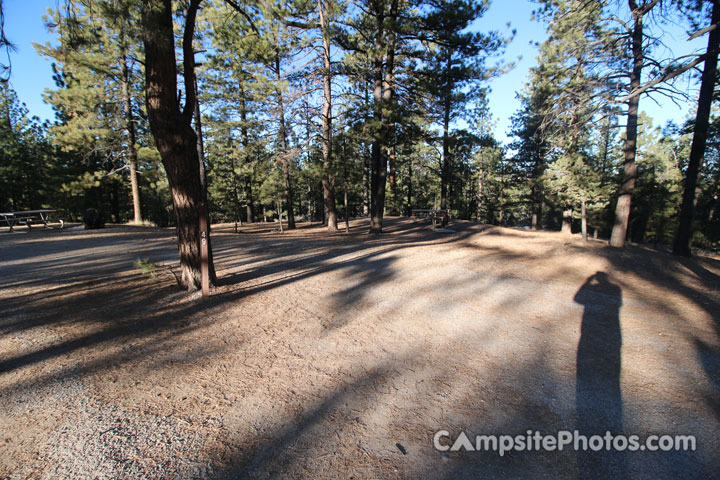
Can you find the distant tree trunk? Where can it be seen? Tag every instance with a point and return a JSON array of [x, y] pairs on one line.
[[537, 194], [284, 160], [327, 180], [583, 222], [245, 140], [114, 194], [681, 245], [392, 158], [479, 195], [383, 72], [410, 187], [567, 221], [445, 166], [537, 208], [347, 211], [278, 205], [366, 180], [378, 160], [132, 139], [234, 179], [622, 209], [172, 130]]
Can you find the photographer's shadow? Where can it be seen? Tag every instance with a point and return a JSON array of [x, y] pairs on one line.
[[598, 395]]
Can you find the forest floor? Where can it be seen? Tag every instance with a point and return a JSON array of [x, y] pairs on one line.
[[340, 356]]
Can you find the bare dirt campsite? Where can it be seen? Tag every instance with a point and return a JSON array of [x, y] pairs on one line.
[[341, 356]]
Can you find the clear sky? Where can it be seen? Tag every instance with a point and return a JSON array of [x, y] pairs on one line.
[[31, 74]]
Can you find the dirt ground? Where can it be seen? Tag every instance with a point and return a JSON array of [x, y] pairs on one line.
[[340, 356]]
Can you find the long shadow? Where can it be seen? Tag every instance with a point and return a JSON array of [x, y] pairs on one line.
[[598, 396]]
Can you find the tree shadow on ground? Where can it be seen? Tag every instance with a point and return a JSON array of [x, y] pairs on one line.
[[120, 314]]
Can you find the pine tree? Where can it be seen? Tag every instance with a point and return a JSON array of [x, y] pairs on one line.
[[454, 69], [172, 129], [99, 90], [681, 245]]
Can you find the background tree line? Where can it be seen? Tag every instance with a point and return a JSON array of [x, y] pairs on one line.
[[321, 110]]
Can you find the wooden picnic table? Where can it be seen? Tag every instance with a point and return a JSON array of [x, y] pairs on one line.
[[437, 217], [28, 217]]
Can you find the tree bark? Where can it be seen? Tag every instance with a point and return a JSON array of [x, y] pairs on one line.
[[445, 166], [327, 180], [583, 224], [622, 209], [284, 160], [479, 195], [378, 160], [408, 210], [132, 138], [172, 129], [683, 239], [383, 93], [245, 139]]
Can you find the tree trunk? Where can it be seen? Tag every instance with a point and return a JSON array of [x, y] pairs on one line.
[[567, 221], [378, 160], [392, 158], [681, 245], [327, 180], [284, 160], [479, 195], [409, 186], [583, 222], [132, 152], [347, 211], [172, 130], [445, 166], [622, 209], [234, 179], [245, 139], [383, 69], [367, 160]]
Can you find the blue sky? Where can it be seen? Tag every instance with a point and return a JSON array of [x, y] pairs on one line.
[[32, 74]]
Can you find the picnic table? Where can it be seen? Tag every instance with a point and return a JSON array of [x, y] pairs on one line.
[[28, 217], [437, 217]]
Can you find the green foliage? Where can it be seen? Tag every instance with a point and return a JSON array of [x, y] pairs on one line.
[[25, 156], [147, 267]]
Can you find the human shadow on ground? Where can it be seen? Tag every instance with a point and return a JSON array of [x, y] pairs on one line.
[[598, 395]]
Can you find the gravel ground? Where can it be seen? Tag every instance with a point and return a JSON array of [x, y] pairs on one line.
[[340, 356]]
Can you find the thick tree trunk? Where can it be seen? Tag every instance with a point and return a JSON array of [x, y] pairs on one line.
[[327, 180], [622, 209], [173, 133], [682, 242]]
